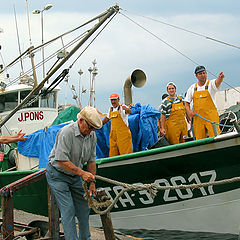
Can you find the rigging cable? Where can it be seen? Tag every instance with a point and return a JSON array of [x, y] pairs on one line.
[[66, 71], [160, 39], [189, 31], [52, 40], [93, 39], [48, 58], [169, 45]]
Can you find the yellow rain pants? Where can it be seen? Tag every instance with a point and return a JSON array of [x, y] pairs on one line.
[[120, 138], [204, 106], [176, 126]]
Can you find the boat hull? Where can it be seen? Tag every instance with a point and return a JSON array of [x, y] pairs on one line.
[[205, 209], [219, 213], [210, 209]]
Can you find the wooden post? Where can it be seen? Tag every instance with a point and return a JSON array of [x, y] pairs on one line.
[[107, 226], [53, 214], [7, 214]]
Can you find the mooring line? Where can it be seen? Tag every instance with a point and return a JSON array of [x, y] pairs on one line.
[[152, 188]]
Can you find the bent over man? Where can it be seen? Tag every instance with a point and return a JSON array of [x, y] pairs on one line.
[[173, 122], [120, 138], [203, 94], [75, 145]]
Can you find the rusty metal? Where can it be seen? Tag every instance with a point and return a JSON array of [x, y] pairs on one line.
[[8, 225], [8, 190]]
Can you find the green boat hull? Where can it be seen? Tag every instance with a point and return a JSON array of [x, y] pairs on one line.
[[201, 161]]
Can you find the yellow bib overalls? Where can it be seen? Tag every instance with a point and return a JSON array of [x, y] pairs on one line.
[[204, 106], [176, 126], [120, 138]]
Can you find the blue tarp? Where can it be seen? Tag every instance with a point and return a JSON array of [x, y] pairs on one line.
[[142, 123]]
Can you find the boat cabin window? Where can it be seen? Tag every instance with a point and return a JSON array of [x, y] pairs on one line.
[[49, 101], [23, 94], [8, 101]]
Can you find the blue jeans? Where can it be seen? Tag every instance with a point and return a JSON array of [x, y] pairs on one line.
[[69, 192]]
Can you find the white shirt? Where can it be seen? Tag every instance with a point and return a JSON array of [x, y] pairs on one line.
[[212, 89], [122, 112]]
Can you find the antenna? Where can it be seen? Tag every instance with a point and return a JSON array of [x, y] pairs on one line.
[[29, 32], [93, 72], [19, 49]]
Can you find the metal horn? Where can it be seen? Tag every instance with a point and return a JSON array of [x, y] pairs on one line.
[[137, 79]]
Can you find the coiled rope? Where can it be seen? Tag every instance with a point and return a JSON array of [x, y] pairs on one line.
[[152, 188]]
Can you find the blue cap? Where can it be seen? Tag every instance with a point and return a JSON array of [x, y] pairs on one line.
[[199, 69]]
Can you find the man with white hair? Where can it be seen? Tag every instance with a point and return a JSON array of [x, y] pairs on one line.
[[75, 145]]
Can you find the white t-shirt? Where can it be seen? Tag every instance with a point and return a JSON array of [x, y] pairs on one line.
[[211, 88], [122, 112]]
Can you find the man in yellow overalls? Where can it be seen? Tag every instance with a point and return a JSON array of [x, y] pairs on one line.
[[202, 94], [172, 121], [120, 138]]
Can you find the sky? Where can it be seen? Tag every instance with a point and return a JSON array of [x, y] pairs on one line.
[[136, 38]]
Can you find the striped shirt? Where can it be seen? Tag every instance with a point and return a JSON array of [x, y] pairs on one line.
[[166, 106]]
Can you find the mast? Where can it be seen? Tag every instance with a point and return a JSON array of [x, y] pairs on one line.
[[107, 14]]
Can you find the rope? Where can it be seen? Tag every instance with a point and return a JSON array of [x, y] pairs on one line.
[[222, 125], [151, 188]]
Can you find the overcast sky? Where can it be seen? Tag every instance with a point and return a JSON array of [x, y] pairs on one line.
[[164, 53]]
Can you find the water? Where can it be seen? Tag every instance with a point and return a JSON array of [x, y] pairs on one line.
[[171, 235]]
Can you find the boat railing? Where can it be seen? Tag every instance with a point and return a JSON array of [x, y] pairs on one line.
[[7, 193]]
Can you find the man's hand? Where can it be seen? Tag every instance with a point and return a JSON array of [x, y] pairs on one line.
[[87, 176], [190, 114], [219, 80], [162, 131], [127, 109], [92, 188], [221, 75], [20, 136]]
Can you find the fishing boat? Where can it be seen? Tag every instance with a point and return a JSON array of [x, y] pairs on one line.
[[37, 115], [214, 208], [208, 209], [194, 162]]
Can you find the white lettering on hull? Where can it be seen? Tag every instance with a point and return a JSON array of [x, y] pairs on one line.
[[143, 196]]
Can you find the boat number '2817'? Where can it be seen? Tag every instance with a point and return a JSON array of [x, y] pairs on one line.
[[130, 199]]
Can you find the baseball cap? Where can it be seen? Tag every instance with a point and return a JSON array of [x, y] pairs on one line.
[[199, 69], [91, 115], [114, 96]]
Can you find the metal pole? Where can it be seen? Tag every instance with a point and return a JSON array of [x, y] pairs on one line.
[[235, 123], [215, 130], [42, 43], [108, 14]]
